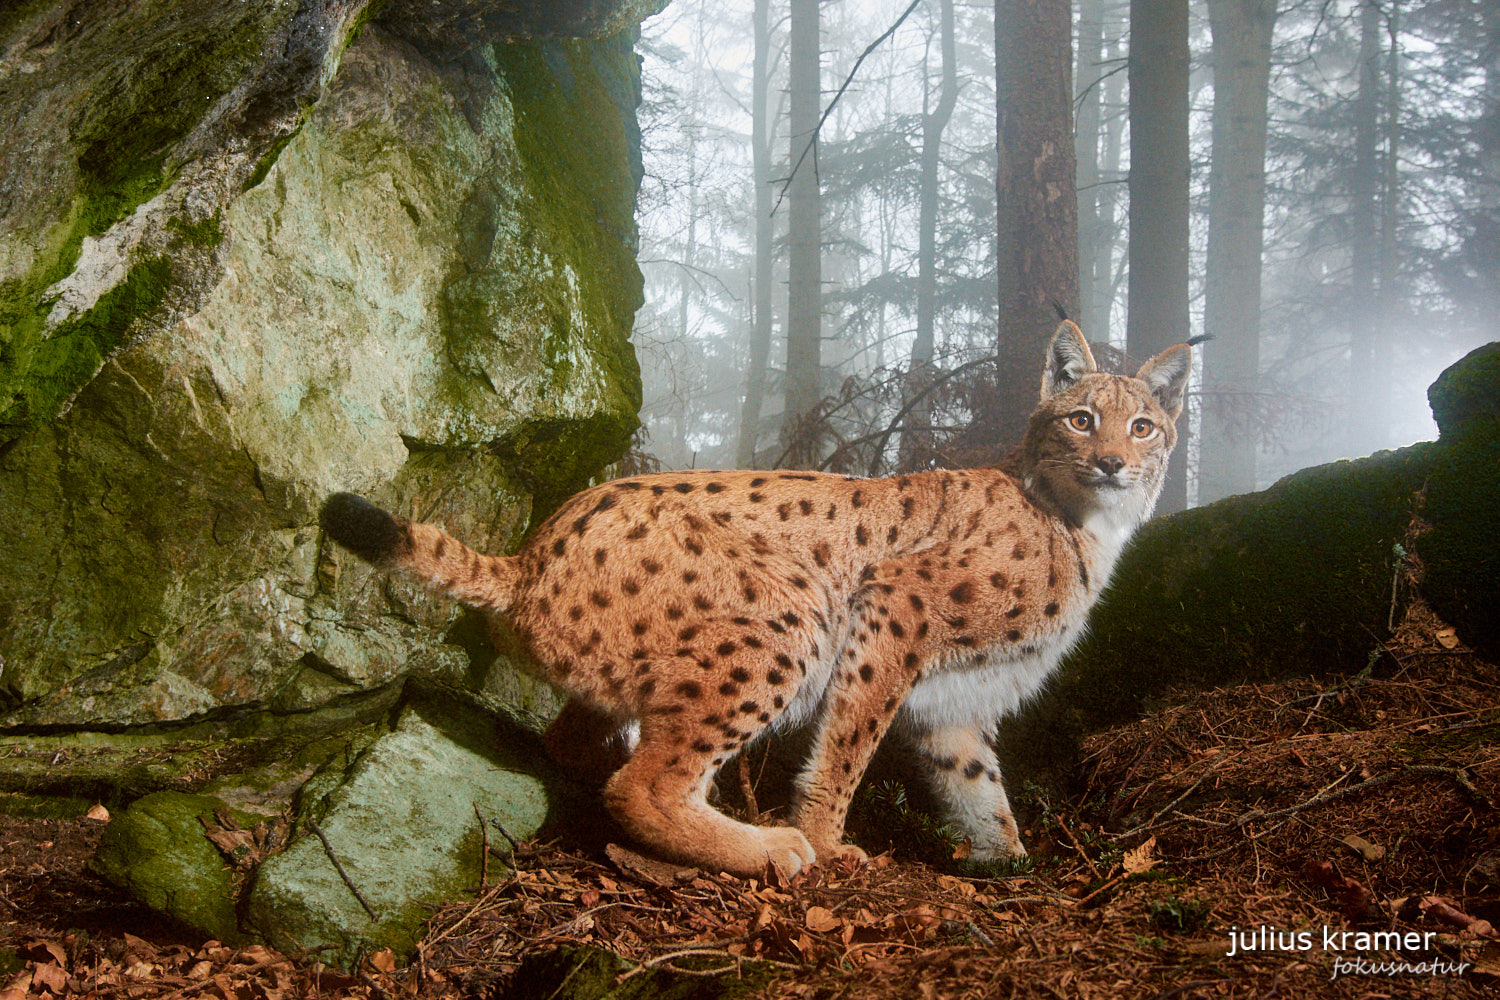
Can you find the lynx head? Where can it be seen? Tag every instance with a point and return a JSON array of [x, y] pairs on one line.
[[1099, 443]]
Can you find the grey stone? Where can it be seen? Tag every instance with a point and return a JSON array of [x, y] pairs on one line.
[[403, 826]]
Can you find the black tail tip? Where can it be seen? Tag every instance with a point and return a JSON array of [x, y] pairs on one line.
[[363, 528]]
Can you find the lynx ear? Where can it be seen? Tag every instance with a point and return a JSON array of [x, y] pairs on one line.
[[1167, 377], [1068, 359]]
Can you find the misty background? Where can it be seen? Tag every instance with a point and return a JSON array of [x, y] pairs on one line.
[[1337, 281]]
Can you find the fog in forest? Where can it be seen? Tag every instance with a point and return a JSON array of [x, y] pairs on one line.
[[1374, 227]]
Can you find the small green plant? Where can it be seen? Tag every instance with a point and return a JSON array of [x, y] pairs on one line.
[[881, 815], [1178, 916]]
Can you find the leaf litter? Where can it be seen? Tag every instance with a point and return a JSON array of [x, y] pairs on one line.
[[1365, 803]]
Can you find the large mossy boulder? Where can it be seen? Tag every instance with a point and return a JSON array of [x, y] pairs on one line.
[[1301, 578], [1461, 550], [251, 254]]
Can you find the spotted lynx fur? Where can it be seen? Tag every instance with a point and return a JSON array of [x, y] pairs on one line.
[[705, 607]]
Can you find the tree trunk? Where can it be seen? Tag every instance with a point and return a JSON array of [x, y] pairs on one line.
[[1089, 100], [804, 285], [1236, 235], [1366, 332], [760, 331], [933, 124], [1159, 167], [1037, 204]]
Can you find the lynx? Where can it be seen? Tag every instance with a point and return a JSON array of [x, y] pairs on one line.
[[694, 611]]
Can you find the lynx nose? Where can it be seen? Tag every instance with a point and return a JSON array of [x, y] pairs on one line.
[[1110, 464]]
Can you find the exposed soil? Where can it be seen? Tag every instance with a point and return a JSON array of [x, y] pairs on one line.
[[1362, 804]]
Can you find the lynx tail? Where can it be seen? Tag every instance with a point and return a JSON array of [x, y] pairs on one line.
[[424, 551]]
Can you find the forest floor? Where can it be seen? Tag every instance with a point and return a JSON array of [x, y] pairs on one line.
[[1365, 803]]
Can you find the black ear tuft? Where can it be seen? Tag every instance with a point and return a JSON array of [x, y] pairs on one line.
[[1068, 359], [364, 529]]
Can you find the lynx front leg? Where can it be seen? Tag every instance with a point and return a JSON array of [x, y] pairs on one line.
[[961, 768]]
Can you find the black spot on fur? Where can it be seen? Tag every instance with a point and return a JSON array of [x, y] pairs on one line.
[[963, 593], [683, 487], [1014, 635], [740, 674], [861, 535], [714, 488], [973, 769], [689, 689], [866, 672], [725, 648], [1050, 610], [560, 546]]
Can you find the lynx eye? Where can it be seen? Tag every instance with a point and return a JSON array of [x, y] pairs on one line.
[[1141, 427], [1081, 420]]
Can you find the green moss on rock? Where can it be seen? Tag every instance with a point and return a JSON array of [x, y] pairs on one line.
[[142, 81], [156, 851]]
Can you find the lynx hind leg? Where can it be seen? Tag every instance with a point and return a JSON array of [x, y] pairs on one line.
[[707, 701], [964, 775], [659, 797], [589, 743]]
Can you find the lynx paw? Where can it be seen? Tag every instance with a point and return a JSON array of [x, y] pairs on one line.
[[844, 852], [786, 849]]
